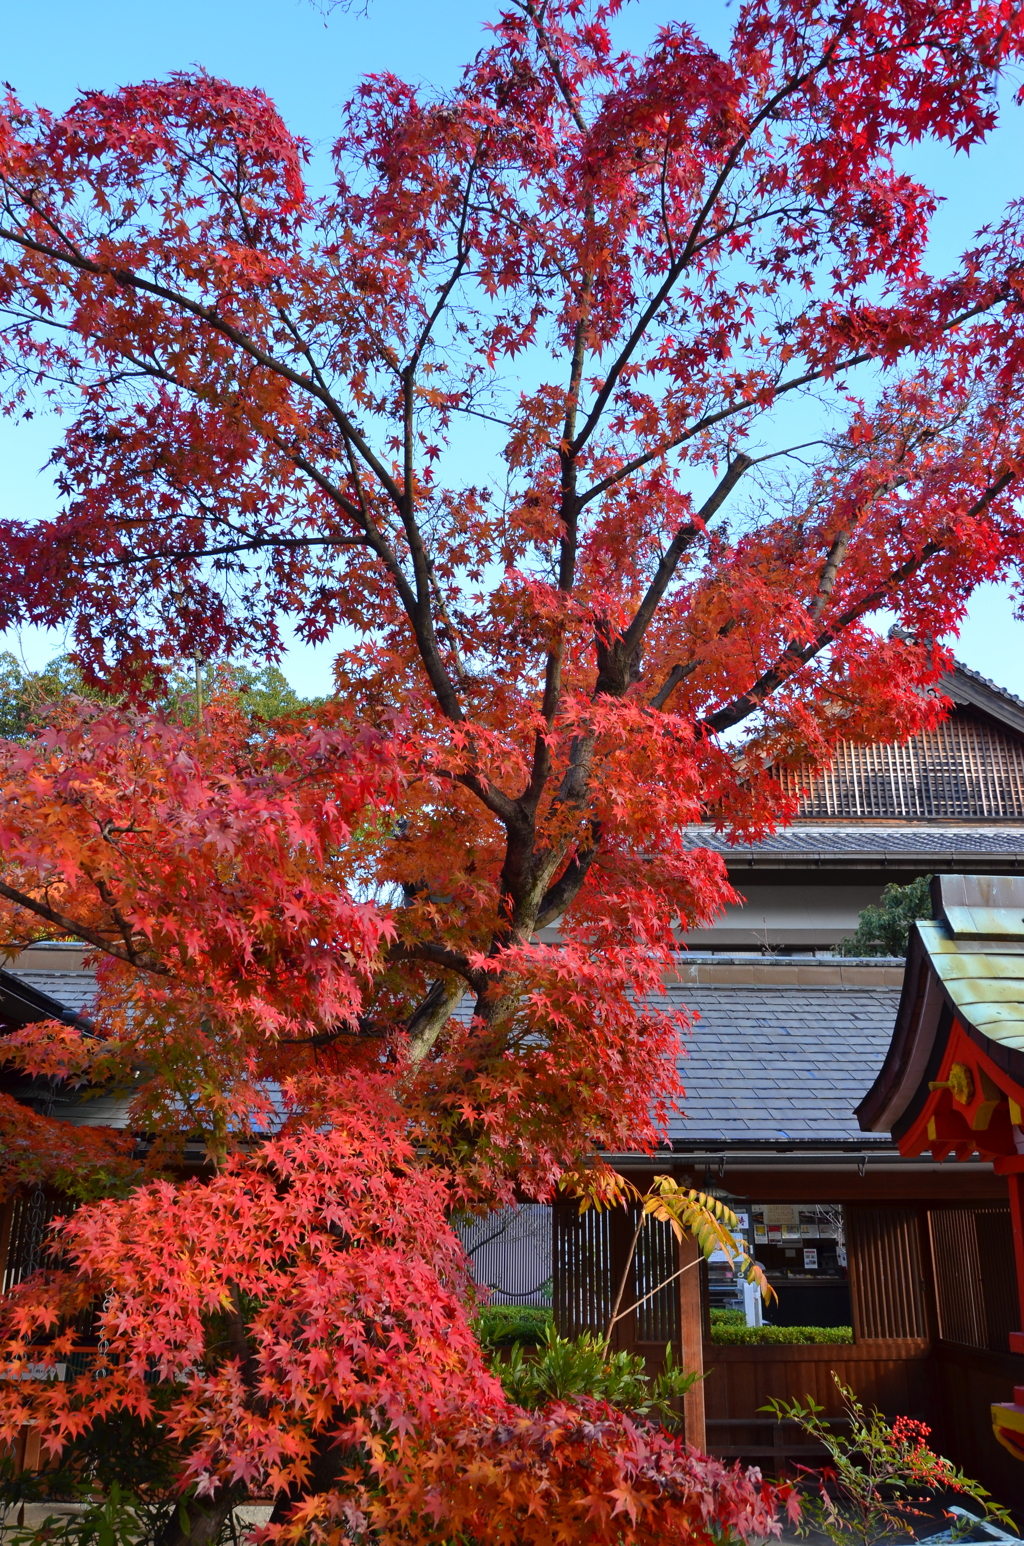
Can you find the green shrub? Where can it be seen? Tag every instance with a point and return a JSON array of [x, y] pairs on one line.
[[727, 1317], [566, 1368], [513, 1325], [762, 1336], [880, 1479]]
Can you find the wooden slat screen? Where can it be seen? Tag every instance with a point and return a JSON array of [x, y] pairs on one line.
[[962, 768], [582, 1274], [885, 1273], [998, 1276], [958, 1292], [975, 1276], [657, 1259], [590, 1251]]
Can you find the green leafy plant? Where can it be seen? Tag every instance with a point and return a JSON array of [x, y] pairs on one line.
[[119, 1519], [567, 1368], [262, 694], [731, 1335], [878, 1474], [119, 1476], [885, 930]]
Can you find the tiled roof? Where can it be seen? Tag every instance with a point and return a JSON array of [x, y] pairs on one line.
[[849, 839], [967, 673], [75, 990], [780, 1065]]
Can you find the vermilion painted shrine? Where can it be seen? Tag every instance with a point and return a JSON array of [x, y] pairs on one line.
[[952, 1085]]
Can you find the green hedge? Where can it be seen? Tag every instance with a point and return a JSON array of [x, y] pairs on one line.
[[525, 1325], [727, 1317], [760, 1336], [512, 1325]]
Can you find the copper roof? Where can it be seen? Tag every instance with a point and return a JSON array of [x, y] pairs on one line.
[[967, 965]]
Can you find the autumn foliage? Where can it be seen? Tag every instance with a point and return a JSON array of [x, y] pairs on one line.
[[297, 1326], [599, 404]]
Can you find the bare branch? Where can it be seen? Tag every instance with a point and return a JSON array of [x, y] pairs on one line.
[[209, 315], [436, 955], [143, 960], [257, 544], [618, 656], [429, 1020], [567, 887], [678, 267]]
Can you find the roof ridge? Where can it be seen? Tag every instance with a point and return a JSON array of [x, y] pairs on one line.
[[986, 681]]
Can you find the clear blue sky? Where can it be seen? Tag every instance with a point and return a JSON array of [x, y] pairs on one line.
[[308, 65]]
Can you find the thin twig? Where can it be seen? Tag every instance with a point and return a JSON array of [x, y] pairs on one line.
[[655, 1290], [623, 1279]]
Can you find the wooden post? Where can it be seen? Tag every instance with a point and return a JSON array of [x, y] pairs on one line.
[[1016, 1186], [691, 1340]]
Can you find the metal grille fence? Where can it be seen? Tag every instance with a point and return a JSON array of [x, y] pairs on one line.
[[23, 1234], [510, 1253], [961, 768]]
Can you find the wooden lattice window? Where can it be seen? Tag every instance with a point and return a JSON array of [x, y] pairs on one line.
[[975, 1275], [885, 1273], [657, 1259], [590, 1254], [582, 1273], [962, 768]]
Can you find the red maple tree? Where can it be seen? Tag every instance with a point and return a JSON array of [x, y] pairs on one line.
[[509, 405]]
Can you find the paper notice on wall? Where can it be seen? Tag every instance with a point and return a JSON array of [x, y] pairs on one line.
[[783, 1221], [810, 1258]]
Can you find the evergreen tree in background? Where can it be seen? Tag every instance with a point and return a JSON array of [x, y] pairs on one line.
[[885, 930], [262, 694]]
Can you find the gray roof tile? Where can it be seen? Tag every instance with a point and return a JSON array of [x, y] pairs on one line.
[[75, 990], [854, 839], [765, 1064]]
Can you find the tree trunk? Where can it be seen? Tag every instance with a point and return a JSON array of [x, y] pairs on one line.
[[200, 1521]]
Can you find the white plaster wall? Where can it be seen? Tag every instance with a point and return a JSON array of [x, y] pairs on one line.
[[815, 916]]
